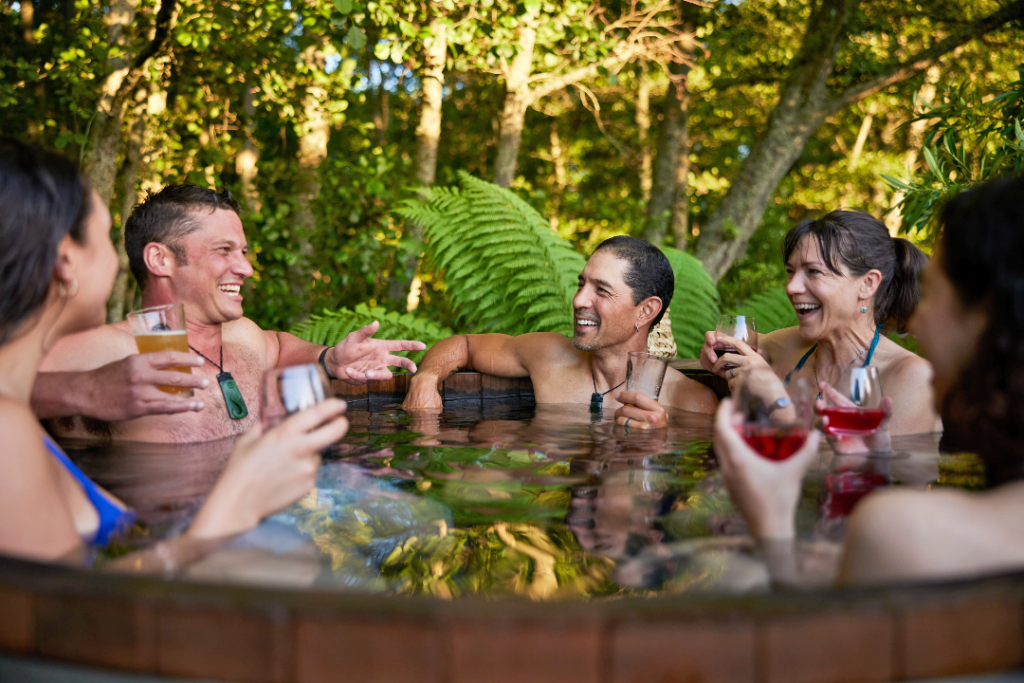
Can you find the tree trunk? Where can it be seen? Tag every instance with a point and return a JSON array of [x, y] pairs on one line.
[[862, 137], [313, 138], [28, 23], [129, 198], [513, 115], [428, 131], [105, 142], [799, 112], [105, 139], [558, 157], [245, 162], [643, 126], [681, 200], [670, 138], [428, 137]]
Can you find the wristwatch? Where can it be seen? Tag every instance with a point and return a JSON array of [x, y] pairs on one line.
[[779, 403]]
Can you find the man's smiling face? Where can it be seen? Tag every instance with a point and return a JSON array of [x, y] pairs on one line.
[[604, 312], [209, 283]]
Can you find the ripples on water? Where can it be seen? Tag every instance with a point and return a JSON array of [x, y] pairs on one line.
[[545, 502]]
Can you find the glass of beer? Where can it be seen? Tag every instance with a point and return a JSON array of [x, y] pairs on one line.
[[644, 373], [291, 389], [162, 328]]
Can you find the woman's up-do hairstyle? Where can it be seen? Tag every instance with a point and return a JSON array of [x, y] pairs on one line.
[[860, 242], [981, 251], [42, 199]]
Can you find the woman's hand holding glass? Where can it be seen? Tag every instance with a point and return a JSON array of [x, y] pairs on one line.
[[267, 472], [729, 365], [766, 492]]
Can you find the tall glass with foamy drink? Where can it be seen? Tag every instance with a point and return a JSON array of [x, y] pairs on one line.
[[162, 328]]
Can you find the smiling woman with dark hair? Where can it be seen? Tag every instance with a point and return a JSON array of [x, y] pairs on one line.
[[57, 267], [970, 323], [849, 282]]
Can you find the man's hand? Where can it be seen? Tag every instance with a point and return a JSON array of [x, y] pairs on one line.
[[359, 358], [640, 411], [122, 390], [423, 396]]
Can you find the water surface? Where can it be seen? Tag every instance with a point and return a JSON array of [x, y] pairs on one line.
[[543, 502]]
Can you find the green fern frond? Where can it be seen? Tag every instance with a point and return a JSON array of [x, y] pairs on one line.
[[504, 269], [770, 309], [330, 327], [694, 308]]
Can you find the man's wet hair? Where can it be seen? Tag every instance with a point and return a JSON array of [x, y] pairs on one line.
[[648, 274], [167, 217]]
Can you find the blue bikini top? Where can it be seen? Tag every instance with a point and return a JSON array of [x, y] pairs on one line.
[[113, 518]]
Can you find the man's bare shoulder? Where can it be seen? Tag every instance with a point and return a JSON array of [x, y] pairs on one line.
[[545, 348], [90, 349], [686, 394]]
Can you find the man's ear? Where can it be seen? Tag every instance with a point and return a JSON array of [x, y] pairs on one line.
[[159, 259], [649, 308]]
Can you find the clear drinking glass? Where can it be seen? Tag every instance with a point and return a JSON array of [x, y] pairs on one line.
[[858, 413], [291, 389], [162, 328], [740, 327], [645, 373], [777, 415]]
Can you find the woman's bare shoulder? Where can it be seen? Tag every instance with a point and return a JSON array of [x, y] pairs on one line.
[[901, 535], [780, 345]]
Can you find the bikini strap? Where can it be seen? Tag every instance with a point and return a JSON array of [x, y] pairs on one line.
[[874, 343], [801, 362]]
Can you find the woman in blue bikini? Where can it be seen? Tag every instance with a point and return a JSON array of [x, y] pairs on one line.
[[57, 267]]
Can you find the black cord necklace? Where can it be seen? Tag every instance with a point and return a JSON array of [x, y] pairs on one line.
[[597, 398], [232, 396]]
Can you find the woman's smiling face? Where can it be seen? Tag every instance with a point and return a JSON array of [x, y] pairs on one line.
[[824, 301]]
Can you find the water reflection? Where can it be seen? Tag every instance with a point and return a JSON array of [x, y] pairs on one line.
[[546, 502]]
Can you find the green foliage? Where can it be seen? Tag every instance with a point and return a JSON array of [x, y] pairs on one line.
[[694, 308], [505, 270], [969, 141], [331, 327], [771, 310]]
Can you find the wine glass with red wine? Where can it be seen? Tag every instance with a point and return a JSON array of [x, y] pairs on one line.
[[858, 411], [777, 415], [740, 327]]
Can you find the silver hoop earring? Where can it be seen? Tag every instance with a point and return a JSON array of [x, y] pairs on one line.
[[637, 325]]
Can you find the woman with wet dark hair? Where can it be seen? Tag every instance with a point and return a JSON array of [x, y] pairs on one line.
[[57, 267], [850, 282], [970, 323]]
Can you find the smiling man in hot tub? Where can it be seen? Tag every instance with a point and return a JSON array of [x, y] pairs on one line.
[[186, 245], [623, 291]]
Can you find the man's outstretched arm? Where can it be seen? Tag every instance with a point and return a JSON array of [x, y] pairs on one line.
[[357, 359], [121, 390], [494, 354]]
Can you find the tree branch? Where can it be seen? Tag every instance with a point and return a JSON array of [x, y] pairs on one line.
[[924, 59], [164, 23]]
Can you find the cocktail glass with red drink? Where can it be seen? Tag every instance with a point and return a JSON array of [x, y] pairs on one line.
[[857, 410], [777, 415]]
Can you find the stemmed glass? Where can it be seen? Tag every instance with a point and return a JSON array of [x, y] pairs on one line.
[[741, 327], [856, 410], [777, 416], [291, 389]]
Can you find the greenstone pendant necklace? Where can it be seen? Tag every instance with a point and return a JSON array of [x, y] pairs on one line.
[[232, 396]]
